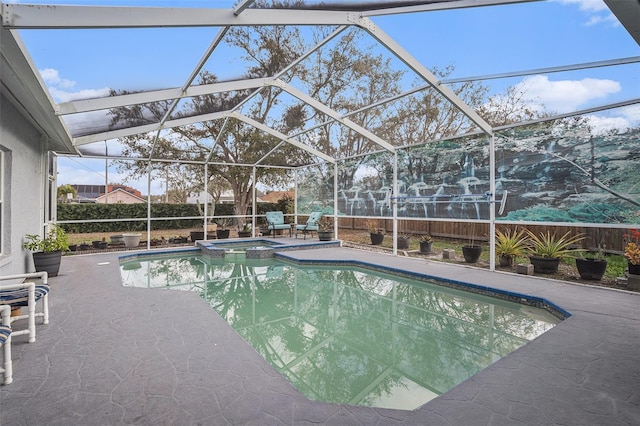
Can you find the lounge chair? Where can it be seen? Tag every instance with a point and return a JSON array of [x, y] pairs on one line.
[[275, 221], [26, 294], [5, 341], [310, 226]]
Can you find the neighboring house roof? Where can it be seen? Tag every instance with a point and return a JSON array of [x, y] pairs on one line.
[[120, 196], [92, 192]]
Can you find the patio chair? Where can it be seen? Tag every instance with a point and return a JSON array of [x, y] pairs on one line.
[[310, 226], [26, 294], [5, 341], [275, 221]]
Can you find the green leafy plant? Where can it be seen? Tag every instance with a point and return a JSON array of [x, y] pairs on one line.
[[325, 224], [511, 242], [246, 227], [374, 227], [223, 223], [55, 240], [426, 239], [546, 244]]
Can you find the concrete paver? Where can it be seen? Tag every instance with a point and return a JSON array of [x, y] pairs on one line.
[[116, 355]]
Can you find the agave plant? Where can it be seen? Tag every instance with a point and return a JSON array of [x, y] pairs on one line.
[[512, 242], [546, 244]]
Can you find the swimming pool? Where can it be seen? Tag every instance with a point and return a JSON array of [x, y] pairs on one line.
[[350, 335]]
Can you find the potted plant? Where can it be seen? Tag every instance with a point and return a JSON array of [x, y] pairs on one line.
[[546, 250], [592, 266], [196, 235], [222, 231], [376, 233], [510, 244], [131, 240], [403, 241], [325, 229], [245, 231], [471, 251], [426, 243], [632, 251], [47, 251], [116, 239]]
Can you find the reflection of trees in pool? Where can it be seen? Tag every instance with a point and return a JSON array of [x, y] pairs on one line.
[[344, 335], [183, 273]]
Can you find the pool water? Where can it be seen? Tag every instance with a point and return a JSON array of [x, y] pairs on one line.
[[350, 335]]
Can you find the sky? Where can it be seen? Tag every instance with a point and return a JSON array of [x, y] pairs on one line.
[[476, 41]]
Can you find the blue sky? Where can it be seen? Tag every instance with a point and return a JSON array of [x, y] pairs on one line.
[[477, 41]]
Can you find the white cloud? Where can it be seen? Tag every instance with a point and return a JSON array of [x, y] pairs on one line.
[[601, 125], [632, 113], [597, 10], [52, 78], [61, 88], [566, 95], [587, 5]]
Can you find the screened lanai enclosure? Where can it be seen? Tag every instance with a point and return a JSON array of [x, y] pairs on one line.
[[485, 111]]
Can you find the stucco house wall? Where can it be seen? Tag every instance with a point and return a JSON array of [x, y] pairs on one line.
[[23, 185]]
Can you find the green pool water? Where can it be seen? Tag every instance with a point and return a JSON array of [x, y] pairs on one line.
[[349, 335]]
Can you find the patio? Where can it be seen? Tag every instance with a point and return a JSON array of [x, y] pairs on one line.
[[116, 355]]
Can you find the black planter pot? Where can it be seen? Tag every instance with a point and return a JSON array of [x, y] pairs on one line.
[[633, 269], [591, 269], [505, 260], [47, 262], [376, 238], [196, 235], [471, 253], [244, 234], [325, 235], [544, 265], [403, 243], [425, 247], [222, 233]]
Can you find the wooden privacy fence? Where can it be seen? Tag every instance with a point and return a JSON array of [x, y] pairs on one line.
[[608, 239]]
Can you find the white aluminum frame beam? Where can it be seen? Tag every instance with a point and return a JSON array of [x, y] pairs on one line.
[[384, 39], [333, 114], [240, 7], [30, 16], [442, 5], [147, 128], [282, 136], [97, 104]]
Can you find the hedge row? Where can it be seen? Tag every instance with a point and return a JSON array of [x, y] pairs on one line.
[[71, 212]]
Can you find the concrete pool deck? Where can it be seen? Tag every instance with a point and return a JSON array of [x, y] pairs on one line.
[[121, 355]]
